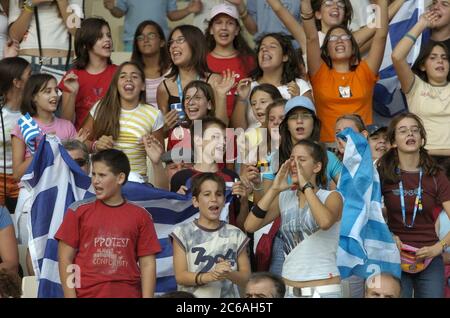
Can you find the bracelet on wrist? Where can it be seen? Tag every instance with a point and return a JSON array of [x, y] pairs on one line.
[[411, 37], [306, 18], [258, 212], [198, 279], [306, 186]]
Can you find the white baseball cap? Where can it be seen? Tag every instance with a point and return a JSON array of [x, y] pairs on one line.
[[224, 8]]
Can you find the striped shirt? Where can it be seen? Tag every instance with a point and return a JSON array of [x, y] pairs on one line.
[[134, 125]]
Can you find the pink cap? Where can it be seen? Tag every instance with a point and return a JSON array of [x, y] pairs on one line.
[[224, 8]]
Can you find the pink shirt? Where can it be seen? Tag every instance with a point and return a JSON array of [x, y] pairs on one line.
[[62, 128]]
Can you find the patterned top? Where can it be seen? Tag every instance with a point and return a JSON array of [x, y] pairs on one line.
[[203, 248], [311, 252], [135, 124]]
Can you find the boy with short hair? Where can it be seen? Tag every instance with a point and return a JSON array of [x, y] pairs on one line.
[[378, 141], [210, 256], [101, 239]]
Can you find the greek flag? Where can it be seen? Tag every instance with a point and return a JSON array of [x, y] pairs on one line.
[[56, 181], [30, 130], [366, 245], [388, 100]]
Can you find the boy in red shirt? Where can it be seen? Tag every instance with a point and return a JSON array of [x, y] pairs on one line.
[[102, 239]]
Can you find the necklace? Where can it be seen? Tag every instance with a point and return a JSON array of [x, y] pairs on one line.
[[233, 54]]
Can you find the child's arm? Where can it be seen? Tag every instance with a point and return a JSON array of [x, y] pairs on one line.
[[162, 98], [180, 266], [401, 51], [313, 53], [193, 7], [147, 265], [221, 86], [8, 249], [20, 164], [69, 96], [376, 53], [239, 115], [246, 18], [268, 208], [365, 35], [63, 5], [66, 255], [241, 276], [111, 6], [289, 21], [240, 190], [102, 143], [154, 149], [19, 27]]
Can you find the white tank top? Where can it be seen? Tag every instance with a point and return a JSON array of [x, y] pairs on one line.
[[314, 257]]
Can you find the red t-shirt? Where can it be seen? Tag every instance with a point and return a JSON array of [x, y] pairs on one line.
[[92, 88], [241, 65], [109, 241], [435, 191]]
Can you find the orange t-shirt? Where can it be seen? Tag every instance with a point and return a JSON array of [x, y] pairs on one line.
[[338, 94]]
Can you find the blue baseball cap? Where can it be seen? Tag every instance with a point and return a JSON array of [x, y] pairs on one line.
[[299, 101], [373, 129]]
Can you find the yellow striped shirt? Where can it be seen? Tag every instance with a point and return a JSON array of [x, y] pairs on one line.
[[134, 125]]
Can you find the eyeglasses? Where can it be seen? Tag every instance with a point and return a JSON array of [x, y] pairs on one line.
[[301, 116], [150, 36], [342, 37], [415, 130], [80, 161], [179, 40], [330, 3]]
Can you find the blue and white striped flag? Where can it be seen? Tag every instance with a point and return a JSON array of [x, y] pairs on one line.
[[56, 181], [366, 245], [387, 97], [30, 130]]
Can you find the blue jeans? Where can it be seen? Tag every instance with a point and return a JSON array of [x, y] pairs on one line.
[[276, 264], [58, 63], [426, 284]]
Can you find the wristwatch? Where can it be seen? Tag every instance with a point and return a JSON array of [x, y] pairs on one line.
[[306, 186]]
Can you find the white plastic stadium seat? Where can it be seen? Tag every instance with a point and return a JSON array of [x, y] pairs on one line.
[[29, 287]]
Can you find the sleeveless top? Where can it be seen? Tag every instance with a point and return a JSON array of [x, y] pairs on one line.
[[311, 252], [176, 99]]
